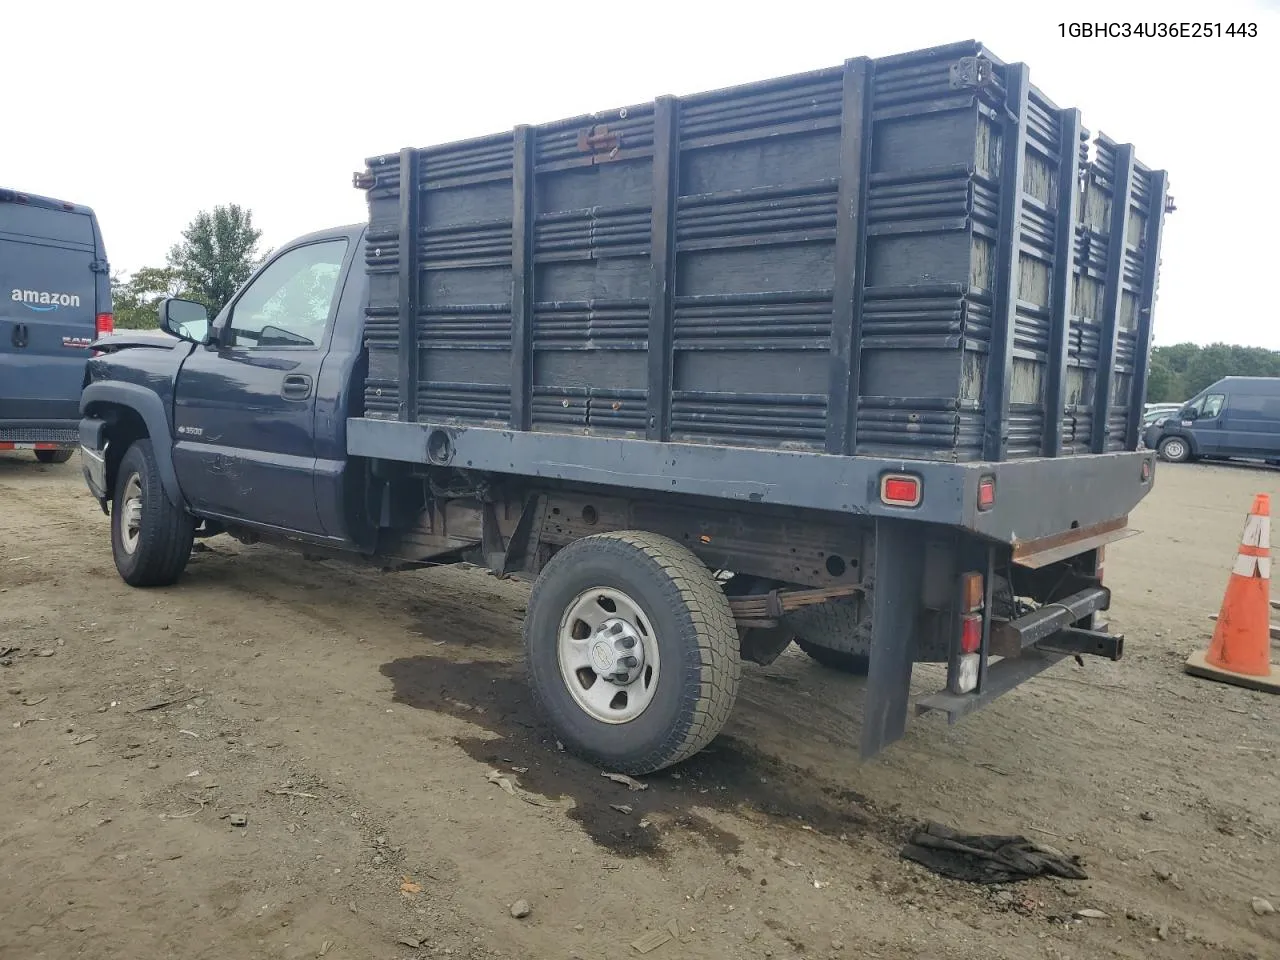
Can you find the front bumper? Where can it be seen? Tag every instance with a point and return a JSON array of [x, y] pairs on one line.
[[93, 457]]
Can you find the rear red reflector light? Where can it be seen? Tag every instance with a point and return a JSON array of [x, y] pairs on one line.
[[971, 634], [986, 493], [1146, 470], [900, 490], [105, 324]]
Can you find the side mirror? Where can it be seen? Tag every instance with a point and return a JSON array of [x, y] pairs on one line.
[[185, 319], [1190, 414]]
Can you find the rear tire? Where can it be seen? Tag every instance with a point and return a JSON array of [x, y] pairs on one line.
[[150, 537], [828, 633], [53, 456], [651, 604], [856, 664], [1174, 450]]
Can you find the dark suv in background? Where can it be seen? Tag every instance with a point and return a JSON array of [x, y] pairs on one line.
[[55, 300]]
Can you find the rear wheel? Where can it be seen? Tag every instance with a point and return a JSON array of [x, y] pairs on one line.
[[53, 456], [854, 663], [150, 537], [828, 633], [1175, 450], [632, 651]]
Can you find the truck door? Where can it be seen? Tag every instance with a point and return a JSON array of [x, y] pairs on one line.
[[245, 406]]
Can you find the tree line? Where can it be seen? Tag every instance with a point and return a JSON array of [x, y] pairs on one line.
[[1181, 371], [217, 252]]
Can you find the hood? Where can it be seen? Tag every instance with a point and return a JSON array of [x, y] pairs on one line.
[[123, 340]]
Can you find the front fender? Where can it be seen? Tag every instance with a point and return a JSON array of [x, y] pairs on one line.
[[150, 408]]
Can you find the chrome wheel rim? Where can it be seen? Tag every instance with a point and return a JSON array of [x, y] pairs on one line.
[[130, 519], [608, 655], [1174, 450]]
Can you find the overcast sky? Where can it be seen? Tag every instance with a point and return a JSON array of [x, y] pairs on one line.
[[150, 112]]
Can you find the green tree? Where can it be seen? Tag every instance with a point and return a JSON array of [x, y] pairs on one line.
[[134, 300], [219, 250], [1161, 381], [1180, 371]]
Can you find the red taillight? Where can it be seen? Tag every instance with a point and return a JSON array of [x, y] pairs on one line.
[[105, 324], [986, 493], [1146, 471], [900, 490], [971, 634]]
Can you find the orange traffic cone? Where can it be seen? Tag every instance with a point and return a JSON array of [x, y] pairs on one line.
[[1240, 652]]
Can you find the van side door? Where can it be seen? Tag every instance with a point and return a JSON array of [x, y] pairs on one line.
[[1251, 425]]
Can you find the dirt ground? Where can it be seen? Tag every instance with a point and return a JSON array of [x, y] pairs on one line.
[[354, 718]]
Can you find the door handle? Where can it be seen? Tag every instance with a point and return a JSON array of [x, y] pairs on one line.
[[297, 386], [20, 335]]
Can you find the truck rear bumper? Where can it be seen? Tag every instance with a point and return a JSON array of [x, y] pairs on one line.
[[1030, 645], [1036, 499], [37, 434]]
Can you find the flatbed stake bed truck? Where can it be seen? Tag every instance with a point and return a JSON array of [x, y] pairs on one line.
[[853, 360]]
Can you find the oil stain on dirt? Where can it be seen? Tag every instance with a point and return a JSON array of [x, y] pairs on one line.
[[727, 776]]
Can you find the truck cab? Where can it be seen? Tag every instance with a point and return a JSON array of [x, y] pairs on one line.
[[245, 414]]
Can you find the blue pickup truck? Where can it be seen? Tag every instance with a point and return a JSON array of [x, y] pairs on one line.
[[712, 374]]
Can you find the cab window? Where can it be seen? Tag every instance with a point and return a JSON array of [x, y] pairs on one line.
[[289, 303], [1208, 406]]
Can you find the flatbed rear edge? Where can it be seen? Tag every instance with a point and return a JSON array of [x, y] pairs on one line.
[[1090, 493]]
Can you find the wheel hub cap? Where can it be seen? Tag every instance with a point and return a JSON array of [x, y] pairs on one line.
[[608, 655], [616, 651]]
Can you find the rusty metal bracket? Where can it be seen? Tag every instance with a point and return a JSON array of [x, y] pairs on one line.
[[971, 72], [601, 141]]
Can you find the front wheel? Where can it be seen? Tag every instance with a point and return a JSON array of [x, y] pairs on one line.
[[53, 456], [150, 537], [632, 651], [1175, 450]]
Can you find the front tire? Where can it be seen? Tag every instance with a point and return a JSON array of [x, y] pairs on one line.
[[632, 651], [53, 456], [150, 537], [1175, 450]]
